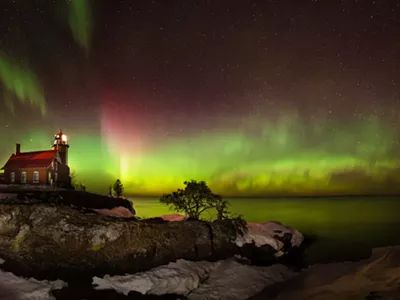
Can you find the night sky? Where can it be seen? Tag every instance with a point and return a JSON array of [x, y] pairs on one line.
[[255, 97]]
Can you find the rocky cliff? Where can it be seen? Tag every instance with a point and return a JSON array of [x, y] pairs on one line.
[[60, 238], [60, 242]]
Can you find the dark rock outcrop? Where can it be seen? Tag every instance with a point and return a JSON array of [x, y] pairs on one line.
[[57, 235], [77, 199], [94, 201], [92, 294], [377, 277], [59, 242]]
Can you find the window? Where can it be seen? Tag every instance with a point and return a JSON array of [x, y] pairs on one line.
[[55, 177], [23, 177], [36, 177], [12, 177]]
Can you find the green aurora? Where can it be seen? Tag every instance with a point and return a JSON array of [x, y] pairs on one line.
[[17, 78], [80, 22], [287, 155], [284, 157], [20, 83]]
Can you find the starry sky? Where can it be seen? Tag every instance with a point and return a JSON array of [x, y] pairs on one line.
[[255, 97]]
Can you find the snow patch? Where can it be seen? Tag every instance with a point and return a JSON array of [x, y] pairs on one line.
[[222, 280], [174, 217], [234, 281], [181, 277], [14, 287], [267, 233]]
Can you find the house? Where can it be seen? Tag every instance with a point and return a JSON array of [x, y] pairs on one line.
[[47, 167]]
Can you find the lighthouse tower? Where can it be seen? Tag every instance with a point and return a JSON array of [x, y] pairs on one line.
[[61, 145]]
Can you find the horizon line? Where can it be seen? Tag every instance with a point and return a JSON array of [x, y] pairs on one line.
[[285, 196]]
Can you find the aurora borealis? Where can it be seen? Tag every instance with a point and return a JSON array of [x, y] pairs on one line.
[[256, 98]]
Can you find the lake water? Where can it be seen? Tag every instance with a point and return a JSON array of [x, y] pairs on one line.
[[347, 227]]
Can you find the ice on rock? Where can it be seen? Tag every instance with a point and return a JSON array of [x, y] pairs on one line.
[[266, 234], [180, 277], [227, 279], [234, 281], [222, 280]]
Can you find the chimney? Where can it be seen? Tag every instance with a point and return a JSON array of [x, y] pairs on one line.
[[18, 149]]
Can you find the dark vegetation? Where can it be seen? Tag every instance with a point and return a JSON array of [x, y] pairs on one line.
[[197, 198], [116, 190], [89, 200]]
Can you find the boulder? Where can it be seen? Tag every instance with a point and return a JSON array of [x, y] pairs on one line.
[[267, 242]]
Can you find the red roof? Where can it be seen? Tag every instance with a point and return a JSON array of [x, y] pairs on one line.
[[37, 159]]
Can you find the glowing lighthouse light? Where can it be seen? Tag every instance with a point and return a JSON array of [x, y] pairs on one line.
[[64, 138]]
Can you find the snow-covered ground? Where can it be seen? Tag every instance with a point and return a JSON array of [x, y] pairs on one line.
[[372, 278], [231, 280], [179, 277], [222, 280], [18, 288], [266, 234]]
